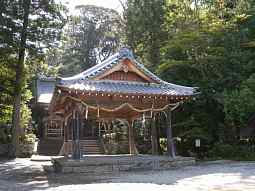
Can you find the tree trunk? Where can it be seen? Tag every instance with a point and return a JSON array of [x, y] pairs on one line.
[[18, 82]]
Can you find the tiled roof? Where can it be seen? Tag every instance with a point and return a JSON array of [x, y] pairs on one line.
[[84, 80], [109, 63], [125, 87]]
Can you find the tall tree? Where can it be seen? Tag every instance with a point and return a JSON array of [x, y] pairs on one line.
[[206, 48], [19, 78], [144, 29], [90, 32], [27, 29]]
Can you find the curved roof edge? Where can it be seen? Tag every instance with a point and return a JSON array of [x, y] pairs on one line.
[[113, 60]]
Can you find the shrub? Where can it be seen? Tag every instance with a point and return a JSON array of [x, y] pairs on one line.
[[29, 138], [232, 151], [5, 135]]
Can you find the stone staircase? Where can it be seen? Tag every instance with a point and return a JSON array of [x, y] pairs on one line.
[[90, 147], [49, 147]]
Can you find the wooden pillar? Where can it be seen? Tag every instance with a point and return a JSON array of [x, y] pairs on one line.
[[76, 132], [154, 142], [65, 128], [45, 130], [170, 142], [99, 129], [61, 129], [73, 132], [131, 138]]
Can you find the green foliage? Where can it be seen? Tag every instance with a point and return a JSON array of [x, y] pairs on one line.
[[5, 135], [239, 104], [144, 29], [207, 44], [27, 29], [210, 46], [29, 138], [205, 49], [232, 151], [85, 36]]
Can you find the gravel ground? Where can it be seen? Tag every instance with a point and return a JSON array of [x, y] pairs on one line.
[[23, 175]]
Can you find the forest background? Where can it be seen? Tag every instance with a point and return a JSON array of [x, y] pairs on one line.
[[202, 43]]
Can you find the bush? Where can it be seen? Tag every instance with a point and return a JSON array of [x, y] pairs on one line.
[[5, 135], [27, 145], [223, 151], [232, 151], [28, 138]]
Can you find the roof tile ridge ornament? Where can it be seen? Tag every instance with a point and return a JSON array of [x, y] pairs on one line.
[[126, 52]]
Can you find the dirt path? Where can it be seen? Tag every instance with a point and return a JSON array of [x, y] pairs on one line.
[[23, 175]]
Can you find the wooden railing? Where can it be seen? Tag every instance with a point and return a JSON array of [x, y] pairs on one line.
[[54, 132]]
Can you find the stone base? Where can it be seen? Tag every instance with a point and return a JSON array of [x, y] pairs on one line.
[[115, 163]]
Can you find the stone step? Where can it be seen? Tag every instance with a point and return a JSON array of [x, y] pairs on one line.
[[89, 150], [89, 144], [90, 147], [84, 145]]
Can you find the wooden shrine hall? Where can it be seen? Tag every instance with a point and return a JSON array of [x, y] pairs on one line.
[[118, 88]]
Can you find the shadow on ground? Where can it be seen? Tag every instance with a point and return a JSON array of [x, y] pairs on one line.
[[23, 174]]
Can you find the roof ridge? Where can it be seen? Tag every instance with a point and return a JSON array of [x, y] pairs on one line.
[[113, 60], [101, 64]]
